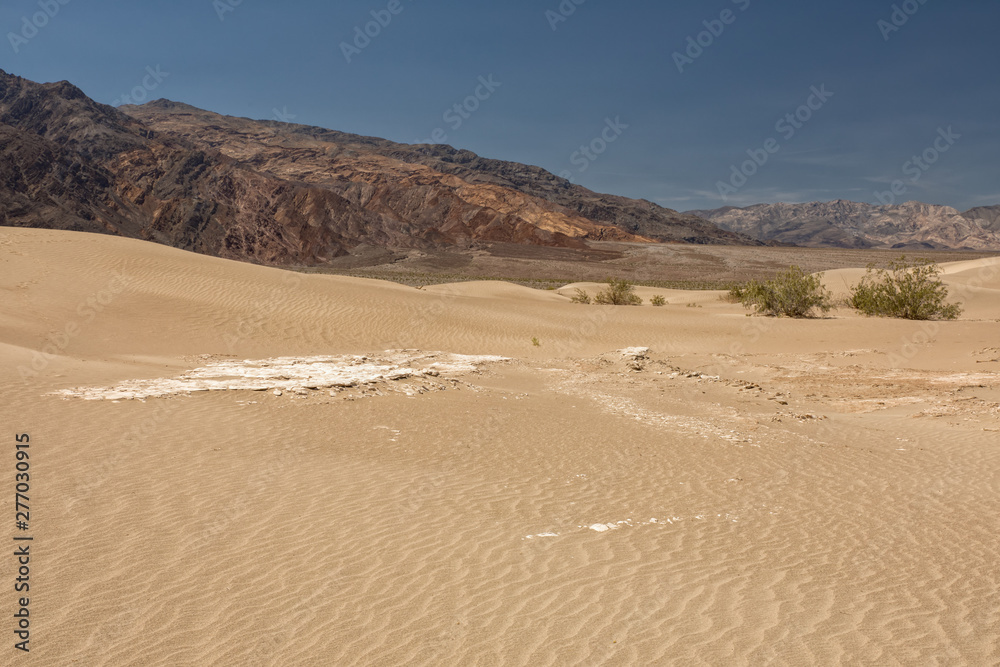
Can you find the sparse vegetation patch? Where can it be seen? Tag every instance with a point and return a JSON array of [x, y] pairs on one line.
[[908, 290], [792, 293], [619, 292]]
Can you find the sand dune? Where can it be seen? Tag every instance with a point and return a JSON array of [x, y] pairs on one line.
[[974, 283], [747, 491]]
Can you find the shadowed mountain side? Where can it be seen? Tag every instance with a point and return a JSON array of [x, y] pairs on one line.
[[987, 216], [363, 169], [67, 162]]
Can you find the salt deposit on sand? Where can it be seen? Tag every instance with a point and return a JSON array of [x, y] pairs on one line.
[[291, 374]]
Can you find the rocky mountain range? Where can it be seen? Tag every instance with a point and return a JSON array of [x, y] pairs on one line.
[[847, 224], [279, 193]]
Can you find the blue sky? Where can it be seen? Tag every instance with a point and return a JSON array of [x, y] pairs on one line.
[[690, 123]]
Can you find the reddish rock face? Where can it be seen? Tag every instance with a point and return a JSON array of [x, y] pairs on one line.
[[277, 193]]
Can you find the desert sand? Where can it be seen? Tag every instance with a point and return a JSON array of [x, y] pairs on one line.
[[238, 465]]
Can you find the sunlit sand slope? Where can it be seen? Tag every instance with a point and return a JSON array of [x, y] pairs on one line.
[[236, 465]]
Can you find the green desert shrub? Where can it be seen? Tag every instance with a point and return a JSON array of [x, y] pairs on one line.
[[910, 290], [658, 300], [792, 293], [580, 296], [619, 292]]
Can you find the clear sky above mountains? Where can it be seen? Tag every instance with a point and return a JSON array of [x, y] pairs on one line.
[[682, 103]]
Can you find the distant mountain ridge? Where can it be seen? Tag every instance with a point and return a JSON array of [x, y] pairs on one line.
[[277, 193], [281, 193], [847, 224]]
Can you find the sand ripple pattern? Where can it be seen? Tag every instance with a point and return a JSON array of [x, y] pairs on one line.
[[239, 529]]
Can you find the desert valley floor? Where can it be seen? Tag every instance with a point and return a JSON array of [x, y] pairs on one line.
[[238, 465]]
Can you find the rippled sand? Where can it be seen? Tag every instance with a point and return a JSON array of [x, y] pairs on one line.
[[743, 491]]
